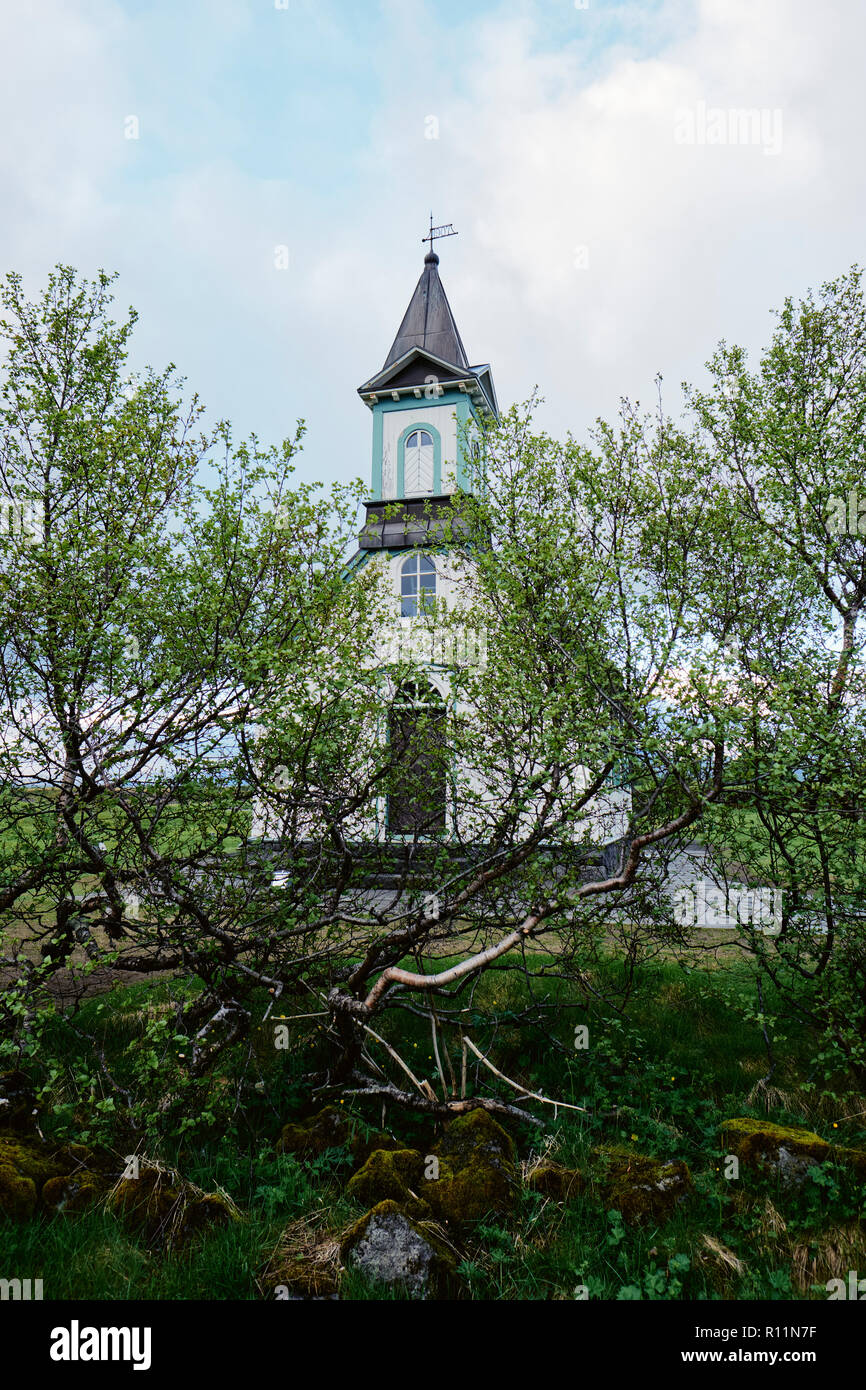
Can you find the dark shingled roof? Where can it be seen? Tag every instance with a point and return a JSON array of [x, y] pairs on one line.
[[428, 322]]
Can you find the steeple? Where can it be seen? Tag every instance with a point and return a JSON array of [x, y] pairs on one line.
[[428, 323], [427, 356], [430, 408]]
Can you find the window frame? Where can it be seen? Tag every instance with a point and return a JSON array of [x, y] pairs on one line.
[[425, 564], [419, 427]]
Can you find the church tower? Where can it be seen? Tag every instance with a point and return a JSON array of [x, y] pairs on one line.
[[428, 406], [429, 409]]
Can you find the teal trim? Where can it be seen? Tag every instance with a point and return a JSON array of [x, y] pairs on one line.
[[466, 478], [464, 465], [449, 394], [357, 561], [452, 398], [377, 454], [363, 557], [437, 458]]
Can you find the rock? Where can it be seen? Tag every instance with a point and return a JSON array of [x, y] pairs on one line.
[[552, 1180], [855, 1159], [307, 1280], [363, 1145], [34, 1173], [200, 1213], [18, 1109], [476, 1134], [164, 1209], [18, 1195], [31, 1158], [328, 1129], [477, 1170], [785, 1149], [332, 1128], [639, 1187], [146, 1204], [388, 1246], [391, 1175], [73, 1192]]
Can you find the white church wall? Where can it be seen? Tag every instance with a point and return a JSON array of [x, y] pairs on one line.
[[480, 791], [394, 422]]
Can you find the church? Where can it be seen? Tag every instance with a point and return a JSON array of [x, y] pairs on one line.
[[429, 411]]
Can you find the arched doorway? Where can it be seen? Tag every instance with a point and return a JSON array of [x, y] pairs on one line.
[[418, 781]]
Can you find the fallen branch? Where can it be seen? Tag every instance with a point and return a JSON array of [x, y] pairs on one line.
[[530, 1095], [446, 1109]]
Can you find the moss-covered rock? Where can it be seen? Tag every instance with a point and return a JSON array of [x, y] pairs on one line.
[[785, 1149], [68, 1177], [391, 1174], [164, 1209], [73, 1192], [31, 1158], [477, 1170], [328, 1129], [306, 1279], [362, 1144], [640, 1187], [200, 1213], [387, 1245], [333, 1128], [147, 1205], [476, 1134], [855, 1159], [32, 1173], [18, 1195], [552, 1180]]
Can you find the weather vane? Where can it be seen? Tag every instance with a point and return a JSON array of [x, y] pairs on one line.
[[447, 229]]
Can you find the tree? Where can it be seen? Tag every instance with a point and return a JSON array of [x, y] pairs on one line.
[[781, 574], [145, 615], [178, 656]]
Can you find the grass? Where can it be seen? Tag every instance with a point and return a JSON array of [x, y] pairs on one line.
[[658, 1080]]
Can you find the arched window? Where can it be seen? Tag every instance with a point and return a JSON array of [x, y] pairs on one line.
[[417, 585], [418, 463], [419, 760]]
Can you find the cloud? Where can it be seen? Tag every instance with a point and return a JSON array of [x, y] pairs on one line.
[[594, 250], [607, 250]]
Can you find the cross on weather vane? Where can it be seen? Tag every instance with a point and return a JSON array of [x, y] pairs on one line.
[[447, 229]]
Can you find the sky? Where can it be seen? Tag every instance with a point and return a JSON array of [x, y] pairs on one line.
[[260, 173]]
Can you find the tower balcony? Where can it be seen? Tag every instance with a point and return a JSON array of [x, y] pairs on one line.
[[404, 524]]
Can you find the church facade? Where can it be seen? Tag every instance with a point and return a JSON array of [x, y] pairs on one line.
[[429, 408]]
